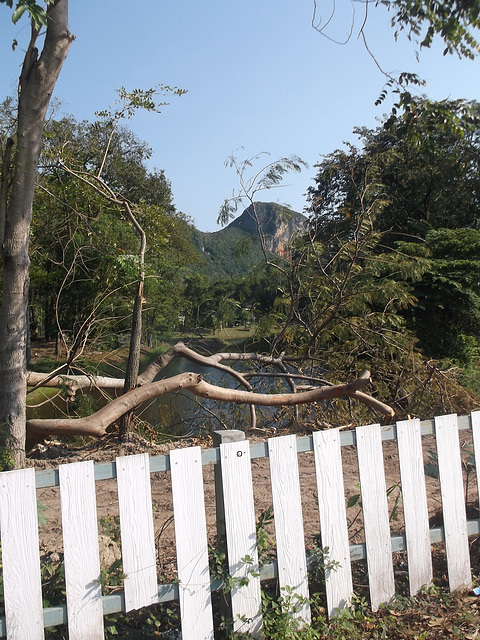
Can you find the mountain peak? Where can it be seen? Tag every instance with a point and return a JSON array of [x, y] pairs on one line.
[[278, 223], [235, 250]]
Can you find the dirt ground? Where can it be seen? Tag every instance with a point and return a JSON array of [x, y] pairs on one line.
[[106, 491]]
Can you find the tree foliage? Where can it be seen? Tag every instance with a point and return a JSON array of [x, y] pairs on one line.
[[382, 221], [85, 253], [426, 197], [454, 21]]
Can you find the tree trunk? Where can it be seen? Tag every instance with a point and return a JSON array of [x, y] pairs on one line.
[[133, 362], [37, 81]]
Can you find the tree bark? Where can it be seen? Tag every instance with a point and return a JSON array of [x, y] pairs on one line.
[[133, 362], [97, 423], [36, 84]]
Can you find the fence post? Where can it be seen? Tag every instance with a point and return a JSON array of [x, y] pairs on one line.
[[222, 437]]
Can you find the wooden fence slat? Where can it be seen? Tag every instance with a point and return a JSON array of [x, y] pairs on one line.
[[415, 506], [475, 419], [241, 536], [191, 543], [375, 515], [20, 555], [453, 502], [136, 527], [333, 517], [289, 534], [81, 554]]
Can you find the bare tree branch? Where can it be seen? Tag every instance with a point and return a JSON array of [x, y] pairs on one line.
[[97, 424]]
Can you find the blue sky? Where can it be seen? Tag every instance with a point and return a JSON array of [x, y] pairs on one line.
[[259, 79]]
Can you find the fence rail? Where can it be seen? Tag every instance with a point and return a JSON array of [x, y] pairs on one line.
[[85, 606]]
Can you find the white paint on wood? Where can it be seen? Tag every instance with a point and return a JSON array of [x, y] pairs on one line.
[[241, 536], [81, 555], [453, 501], [289, 534], [375, 515], [20, 555], [191, 542], [136, 526], [333, 518], [415, 507], [475, 418]]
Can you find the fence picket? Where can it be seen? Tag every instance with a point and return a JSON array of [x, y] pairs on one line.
[[453, 502], [333, 519], [20, 555], [415, 506], [375, 515], [136, 526], [289, 534], [81, 554], [241, 536], [191, 542]]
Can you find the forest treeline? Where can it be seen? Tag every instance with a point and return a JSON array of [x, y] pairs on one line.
[[384, 277]]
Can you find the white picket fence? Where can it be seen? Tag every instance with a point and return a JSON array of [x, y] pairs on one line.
[[85, 607]]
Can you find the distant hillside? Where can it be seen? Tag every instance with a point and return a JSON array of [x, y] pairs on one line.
[[235, 250]]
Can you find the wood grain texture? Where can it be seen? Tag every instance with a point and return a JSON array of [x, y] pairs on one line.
[[375, 515], [136, 526], [191, 542], [415, 506], [241, 537], [333, 517], [453, 502], [20, 555], [81, 554], [289, 533]]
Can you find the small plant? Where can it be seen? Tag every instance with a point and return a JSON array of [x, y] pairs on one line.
[[219, 570], [320, 565], [279, 621], [110, 526], [52, 571], [112, 577], [264, 539], [395, 493]]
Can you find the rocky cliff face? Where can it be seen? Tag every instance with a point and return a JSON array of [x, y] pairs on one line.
[[279, 224], [235, 250]]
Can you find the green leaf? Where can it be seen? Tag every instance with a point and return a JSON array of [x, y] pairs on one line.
[[18, 13], [431, 470], [353, 500], [42, 520]]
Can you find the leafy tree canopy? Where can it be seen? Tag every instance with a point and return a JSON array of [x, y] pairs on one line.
[[424, 201], [454, 21], [83, 251]]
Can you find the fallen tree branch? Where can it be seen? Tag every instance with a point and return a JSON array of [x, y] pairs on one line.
[[74, 383], [97, 424]]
